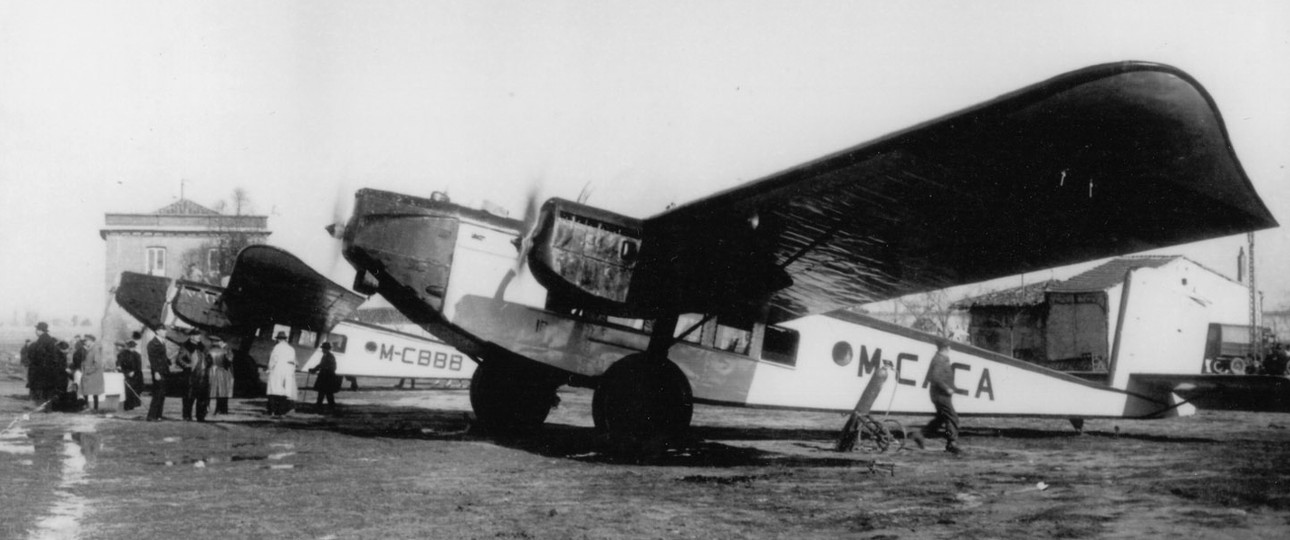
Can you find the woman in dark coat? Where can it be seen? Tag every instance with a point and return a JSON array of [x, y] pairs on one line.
[[130, 364], [221, 375], [328, 383]]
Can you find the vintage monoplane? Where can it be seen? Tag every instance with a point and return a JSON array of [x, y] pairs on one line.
[[734, 298], [271, 291]]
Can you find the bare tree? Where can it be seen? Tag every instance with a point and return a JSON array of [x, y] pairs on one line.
[[241, 201], [214, 259], [931, 311]]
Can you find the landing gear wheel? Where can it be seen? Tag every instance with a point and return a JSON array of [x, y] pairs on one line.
[[642, 405], [897, 433], [512, 397]]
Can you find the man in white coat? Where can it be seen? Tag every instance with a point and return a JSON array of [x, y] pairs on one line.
[[282, 376]]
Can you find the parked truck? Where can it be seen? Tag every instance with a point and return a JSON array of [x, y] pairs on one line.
[[1228, 349]]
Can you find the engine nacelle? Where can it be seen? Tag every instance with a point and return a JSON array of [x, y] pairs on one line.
[[586, 257]]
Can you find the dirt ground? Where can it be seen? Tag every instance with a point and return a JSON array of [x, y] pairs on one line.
[[400, 464]]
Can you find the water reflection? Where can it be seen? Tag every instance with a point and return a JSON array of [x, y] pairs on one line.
[[71, 454]]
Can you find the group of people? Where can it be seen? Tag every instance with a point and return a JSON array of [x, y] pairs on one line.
[[201, 369], [69, 376], [282, 377]]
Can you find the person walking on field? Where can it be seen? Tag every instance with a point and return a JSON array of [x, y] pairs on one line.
[[328, 383], [159, 363], [940, 375], [282, 376], [221, 374]]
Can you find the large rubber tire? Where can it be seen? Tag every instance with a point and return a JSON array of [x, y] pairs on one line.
[[1238, 366], [642, 405], [512, 398]]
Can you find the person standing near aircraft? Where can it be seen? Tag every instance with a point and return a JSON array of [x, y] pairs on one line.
[[25, 361], [160, 365], [328, 383], [282, 376], [940, 375], [198, 375], [131, 367], [221, 374], [91, 373], [78, 353]]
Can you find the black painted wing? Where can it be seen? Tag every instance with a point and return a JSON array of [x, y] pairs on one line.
[[267, 286], [270, 286], [143, 297], [1108, 160]]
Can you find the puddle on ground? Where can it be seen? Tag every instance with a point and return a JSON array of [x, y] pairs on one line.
[[16, 441], [73, 454]]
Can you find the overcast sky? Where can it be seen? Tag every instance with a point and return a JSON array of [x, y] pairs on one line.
[[107, 106]]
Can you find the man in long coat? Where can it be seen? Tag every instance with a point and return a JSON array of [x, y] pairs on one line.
[[328, 382], [48, 364], [131, 367], [91, 372], [159, 362], [196, 364], [282, 376]]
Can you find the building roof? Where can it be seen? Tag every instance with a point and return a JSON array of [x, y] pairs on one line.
[[1112, 273], [184, 217], [185, 207], [1025, 295]]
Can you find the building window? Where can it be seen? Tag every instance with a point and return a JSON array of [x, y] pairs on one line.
[[212, 262], [155, 265]]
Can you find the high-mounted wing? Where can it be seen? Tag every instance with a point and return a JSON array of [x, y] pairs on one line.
[[1107, 160], [1223, 392], [143, 297], [267, 286]]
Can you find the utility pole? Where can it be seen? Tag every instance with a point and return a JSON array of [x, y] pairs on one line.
[[1255, 336]]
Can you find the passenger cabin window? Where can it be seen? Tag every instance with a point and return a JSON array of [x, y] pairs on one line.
[[780, 346], [307, 339], [338, 342], [280, 328], [733, 335]]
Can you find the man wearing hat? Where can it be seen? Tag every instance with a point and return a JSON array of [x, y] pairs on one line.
[[159, 362], [282, 376], [48, 362], [940, 375], [327, 383], [130, 364]]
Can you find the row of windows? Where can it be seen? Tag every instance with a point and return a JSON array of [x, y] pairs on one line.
[[155, 264], [305, 338], [730, 334]]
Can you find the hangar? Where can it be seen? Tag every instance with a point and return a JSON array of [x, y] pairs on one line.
[[1069, 325]]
